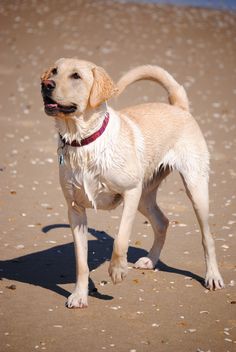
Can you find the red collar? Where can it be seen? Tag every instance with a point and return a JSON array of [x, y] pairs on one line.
[[91, 138]]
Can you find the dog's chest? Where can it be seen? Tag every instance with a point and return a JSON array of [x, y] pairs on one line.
[[84, 181], [89, 181]]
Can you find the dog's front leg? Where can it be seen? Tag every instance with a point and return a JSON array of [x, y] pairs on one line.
[[78, 223], [118, 266]]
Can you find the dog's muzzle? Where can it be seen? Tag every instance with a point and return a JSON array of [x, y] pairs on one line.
[[51, 107]]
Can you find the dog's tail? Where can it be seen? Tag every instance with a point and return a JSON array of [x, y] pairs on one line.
[[177, 93]]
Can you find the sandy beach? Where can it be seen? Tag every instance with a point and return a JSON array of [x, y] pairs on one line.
[[166, 309]]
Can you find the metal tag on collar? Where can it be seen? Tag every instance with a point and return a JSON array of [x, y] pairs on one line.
[[61, 159], [61, 155]]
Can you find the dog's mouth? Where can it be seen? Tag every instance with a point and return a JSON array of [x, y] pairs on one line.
[[51, 107]]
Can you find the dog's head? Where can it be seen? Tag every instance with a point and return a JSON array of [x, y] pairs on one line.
[[71, 86]]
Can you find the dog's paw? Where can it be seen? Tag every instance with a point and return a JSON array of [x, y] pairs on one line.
[[144, 263], [77, 300], [118, 269], [214, 281]]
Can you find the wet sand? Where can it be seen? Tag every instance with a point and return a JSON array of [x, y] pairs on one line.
[[163, 310]]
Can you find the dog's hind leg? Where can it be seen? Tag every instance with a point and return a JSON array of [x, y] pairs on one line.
[[197, 191], [159, 222]]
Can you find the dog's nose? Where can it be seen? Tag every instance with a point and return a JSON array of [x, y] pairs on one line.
[[48, 85]]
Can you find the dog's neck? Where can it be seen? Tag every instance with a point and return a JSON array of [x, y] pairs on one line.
[[77, 128]]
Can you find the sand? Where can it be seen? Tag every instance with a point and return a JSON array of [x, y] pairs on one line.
[[163, 310]]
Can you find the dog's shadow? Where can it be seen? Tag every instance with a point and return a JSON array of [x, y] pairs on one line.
[[55, 266]]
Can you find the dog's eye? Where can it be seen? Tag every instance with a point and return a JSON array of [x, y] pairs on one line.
[[54, 71], [75, 75]]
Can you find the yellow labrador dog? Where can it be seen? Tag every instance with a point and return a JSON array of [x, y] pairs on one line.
[[107, 157]]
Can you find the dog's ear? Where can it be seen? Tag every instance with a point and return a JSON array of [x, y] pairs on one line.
[[103, 87]]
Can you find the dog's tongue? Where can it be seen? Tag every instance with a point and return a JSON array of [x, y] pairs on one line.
[[52, 106]]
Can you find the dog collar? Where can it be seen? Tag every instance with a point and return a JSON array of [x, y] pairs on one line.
[[88, 139]]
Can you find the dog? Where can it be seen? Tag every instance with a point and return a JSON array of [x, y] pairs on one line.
[[107, 157]]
